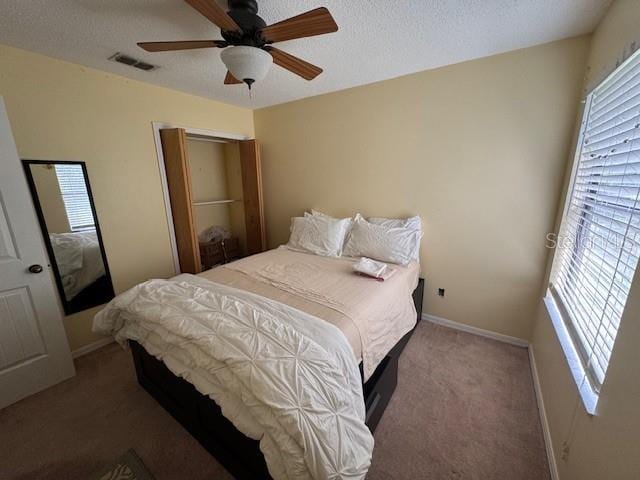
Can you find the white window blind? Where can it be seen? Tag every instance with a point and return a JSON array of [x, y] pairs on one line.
[[598, 246], [75, 197]]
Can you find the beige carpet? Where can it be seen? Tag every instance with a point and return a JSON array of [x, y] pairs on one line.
[[464, 409]]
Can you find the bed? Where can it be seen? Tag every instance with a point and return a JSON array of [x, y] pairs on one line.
[[79, 260], [374, 321]]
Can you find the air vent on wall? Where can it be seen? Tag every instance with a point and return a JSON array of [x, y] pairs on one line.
[[132, 62]]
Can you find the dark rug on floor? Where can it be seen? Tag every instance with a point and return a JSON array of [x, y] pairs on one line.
[[464, 409], [128, 466]]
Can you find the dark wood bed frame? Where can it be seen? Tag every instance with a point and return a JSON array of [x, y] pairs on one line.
[[202, 417]]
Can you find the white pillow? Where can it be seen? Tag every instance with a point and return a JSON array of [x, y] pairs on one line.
[[413, 223], [387, 244], [316, 213], [319, 235]]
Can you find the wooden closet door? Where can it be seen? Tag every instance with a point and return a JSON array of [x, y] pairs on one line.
[[252, 193], [176, 161]]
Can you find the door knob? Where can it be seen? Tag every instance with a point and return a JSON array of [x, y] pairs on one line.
[[35, 268]]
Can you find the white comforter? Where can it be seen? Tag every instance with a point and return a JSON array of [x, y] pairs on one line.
[[280, 375]]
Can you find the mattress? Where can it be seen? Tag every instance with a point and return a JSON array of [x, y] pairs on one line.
[[372, 315]]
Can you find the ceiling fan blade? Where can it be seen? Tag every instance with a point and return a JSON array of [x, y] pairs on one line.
[[231, 80], [294, 64], [313, 22], [215, 14], [180, 45]]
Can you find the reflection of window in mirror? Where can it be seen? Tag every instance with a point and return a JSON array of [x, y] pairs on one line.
[[64, 205], [75, 197]]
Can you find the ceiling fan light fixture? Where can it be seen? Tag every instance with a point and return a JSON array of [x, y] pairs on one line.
[[248, 52], [248, 64]]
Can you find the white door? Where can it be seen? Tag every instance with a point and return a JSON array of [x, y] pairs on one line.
[[34, 353]]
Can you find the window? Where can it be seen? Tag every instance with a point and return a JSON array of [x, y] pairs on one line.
[[75, 197], [599, 241]]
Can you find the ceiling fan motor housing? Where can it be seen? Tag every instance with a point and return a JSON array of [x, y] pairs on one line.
[[250, 6], [245, 14]]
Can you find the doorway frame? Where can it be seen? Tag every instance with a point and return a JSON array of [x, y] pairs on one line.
[[223, 137]]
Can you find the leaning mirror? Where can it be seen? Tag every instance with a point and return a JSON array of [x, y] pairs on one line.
[[62, 198]]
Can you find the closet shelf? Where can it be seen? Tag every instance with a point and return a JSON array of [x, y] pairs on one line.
[[213, 202]]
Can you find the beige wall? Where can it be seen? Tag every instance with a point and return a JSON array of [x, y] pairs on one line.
[[208, 182], [51, 203], [234, 187], [63, 111], [607, 445], [477, 149]]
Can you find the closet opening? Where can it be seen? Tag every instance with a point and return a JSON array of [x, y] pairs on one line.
[[213, 193]]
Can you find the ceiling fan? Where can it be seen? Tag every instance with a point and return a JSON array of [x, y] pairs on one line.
[[248, 52]]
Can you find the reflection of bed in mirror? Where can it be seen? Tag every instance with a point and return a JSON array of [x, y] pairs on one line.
[[79, 262], [64, 204]]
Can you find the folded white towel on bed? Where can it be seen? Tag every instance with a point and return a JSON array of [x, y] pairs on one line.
[[370, 268]]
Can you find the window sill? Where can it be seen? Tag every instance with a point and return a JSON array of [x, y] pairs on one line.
[[589, 397]]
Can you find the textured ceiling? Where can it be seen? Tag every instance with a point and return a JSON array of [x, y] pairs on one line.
[[377, 40]]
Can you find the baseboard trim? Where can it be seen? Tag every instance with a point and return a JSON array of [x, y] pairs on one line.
[[551, 458], [519, 342], [78, 352]]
